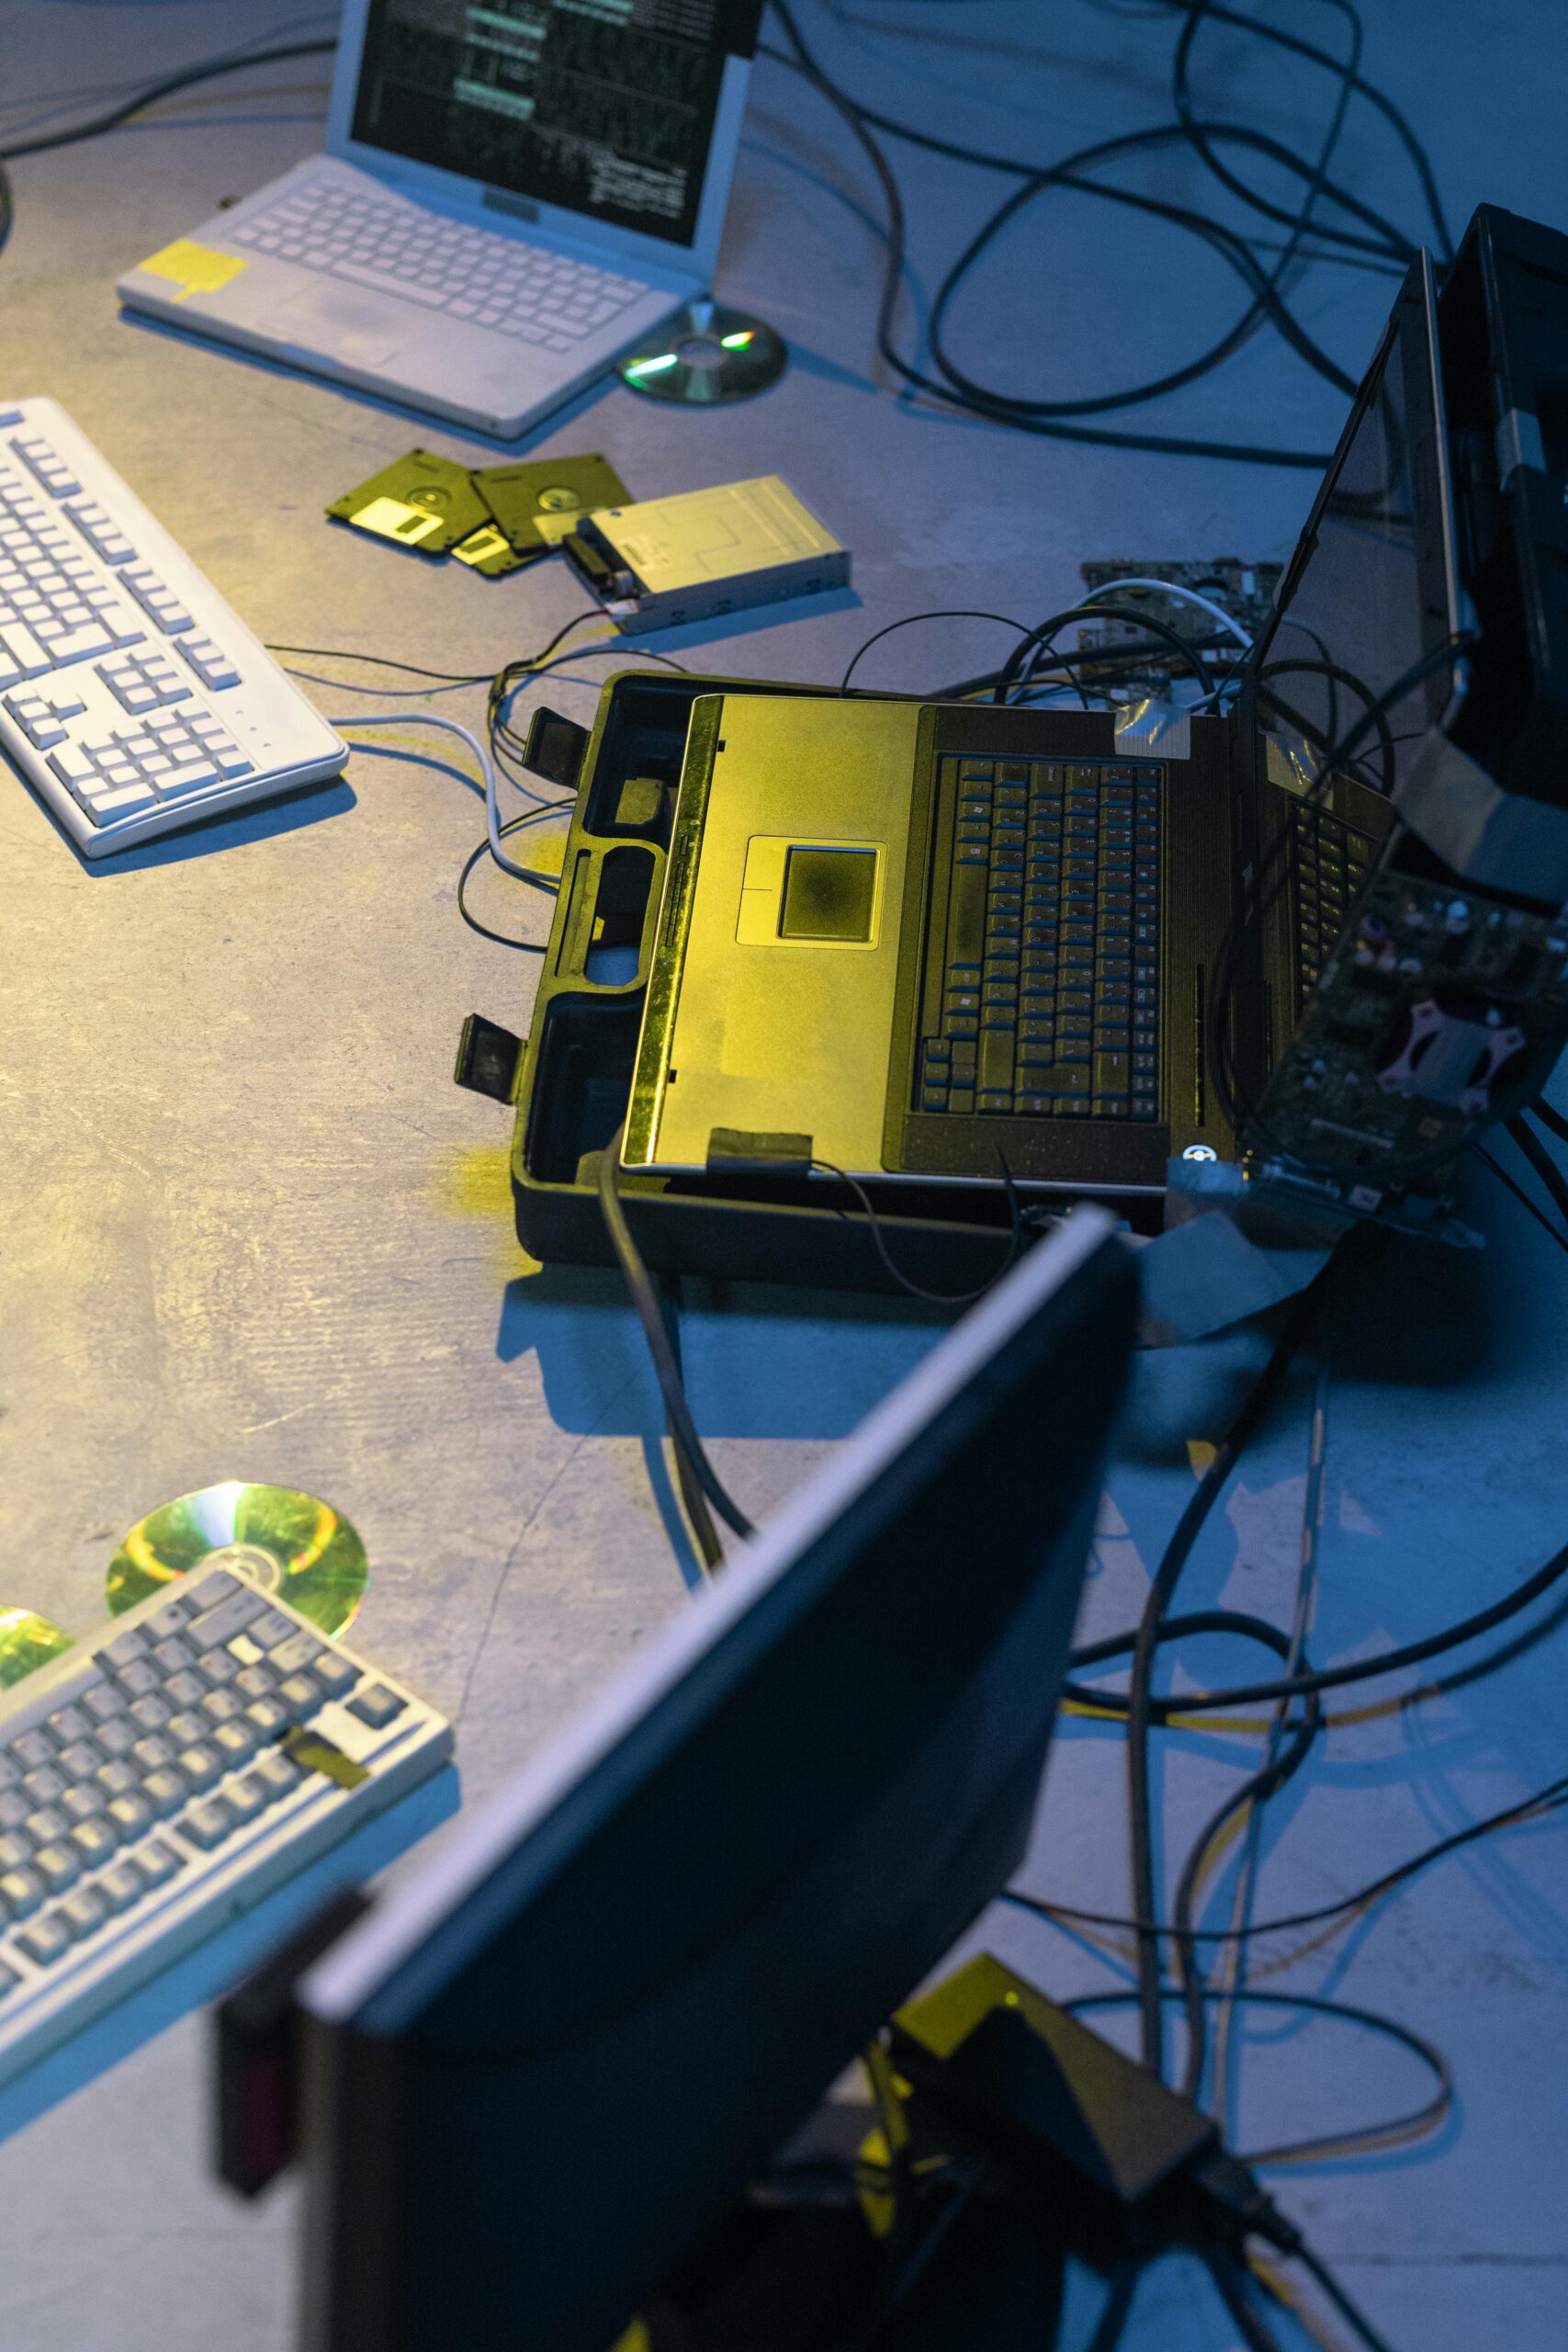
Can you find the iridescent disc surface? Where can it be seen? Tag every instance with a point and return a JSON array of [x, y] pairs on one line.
[[26, 1642], [705, 356], [290, 1543]]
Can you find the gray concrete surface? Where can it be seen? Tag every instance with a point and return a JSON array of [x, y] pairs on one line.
[[248, 1229]]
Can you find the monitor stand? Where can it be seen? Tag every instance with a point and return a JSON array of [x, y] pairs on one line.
[[819, 2260], [935, 2216]]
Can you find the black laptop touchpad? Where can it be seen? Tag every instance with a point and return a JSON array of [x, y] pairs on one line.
[[828, 894]]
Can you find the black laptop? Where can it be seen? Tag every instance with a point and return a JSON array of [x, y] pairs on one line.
[[944, 941]]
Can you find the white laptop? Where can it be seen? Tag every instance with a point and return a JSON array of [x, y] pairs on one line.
[[513, 193]]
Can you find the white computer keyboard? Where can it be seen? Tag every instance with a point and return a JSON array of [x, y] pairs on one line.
[[539, 297], [165, 1773], [132, 698]]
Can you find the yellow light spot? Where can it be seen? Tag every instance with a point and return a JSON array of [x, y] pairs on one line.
[[475, 1182]]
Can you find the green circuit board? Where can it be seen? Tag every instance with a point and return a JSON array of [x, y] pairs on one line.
[[1245, 590], [1432, 1008]]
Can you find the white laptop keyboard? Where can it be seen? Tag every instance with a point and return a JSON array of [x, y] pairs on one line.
[[131, 696], [400, 249], [165, 1773]]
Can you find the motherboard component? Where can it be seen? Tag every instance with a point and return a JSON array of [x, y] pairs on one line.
[[1433, 1010], [1245, 590]]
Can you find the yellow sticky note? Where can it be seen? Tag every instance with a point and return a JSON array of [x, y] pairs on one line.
[[194, 269]]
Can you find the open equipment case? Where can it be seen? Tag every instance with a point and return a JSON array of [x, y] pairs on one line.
[[570, 1080], [1442, 999]]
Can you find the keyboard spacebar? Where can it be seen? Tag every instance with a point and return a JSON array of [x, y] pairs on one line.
[[385, 283]]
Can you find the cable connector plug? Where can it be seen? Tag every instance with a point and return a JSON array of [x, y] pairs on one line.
[[1234, 2198]]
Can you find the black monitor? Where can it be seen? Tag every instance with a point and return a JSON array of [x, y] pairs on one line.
[[1372, 585], [543, 2070]]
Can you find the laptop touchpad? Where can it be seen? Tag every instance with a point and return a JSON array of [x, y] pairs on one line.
[[822, 892], [323, 318]]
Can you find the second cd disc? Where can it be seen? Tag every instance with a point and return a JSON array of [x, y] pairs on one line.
[[26, 1642], [288, 1543], [706, 354]]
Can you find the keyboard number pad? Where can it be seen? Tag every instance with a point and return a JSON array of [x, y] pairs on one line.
[[1051, 960]]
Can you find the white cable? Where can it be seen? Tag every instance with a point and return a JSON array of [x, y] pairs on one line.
[[1106, 594], [487, 769]]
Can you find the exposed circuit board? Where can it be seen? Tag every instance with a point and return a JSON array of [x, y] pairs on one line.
[[1430, 1011], [1245, 590]]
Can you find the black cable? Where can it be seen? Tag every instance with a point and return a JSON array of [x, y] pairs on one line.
[[1551, 1120], [1322, 746], [954, 613], [1230, 248], [1390, 242], [1230, 2278], [501, 938], [704, 1536], [1202, 146], [1345, 70], [682, 1429], [505, 740], [1545, 1800], [1520, 1196], [8, 208], [1418, 2120], [1540, 1159], [1237, 133], [1368, 90], [185, 78], [1108, 663], [1348, 2311], [1035, 178], [381, 662], [1328, 1678], [907, 1281], [1262, 886], [1112, 2323], [1266, 301], [1303, 1607], [1161, 443], [1257, 1405], [1094, 609], [1256, 1790]]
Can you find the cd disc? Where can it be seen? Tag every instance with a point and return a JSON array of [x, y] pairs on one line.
[[287, 1542], [706, 354], [26, 1642]]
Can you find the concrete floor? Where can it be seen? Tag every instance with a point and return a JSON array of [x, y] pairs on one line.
[[252, 1230]]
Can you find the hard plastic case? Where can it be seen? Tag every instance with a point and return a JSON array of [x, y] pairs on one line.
[[576, 1069]]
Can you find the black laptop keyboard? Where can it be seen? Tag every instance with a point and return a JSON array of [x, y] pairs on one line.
[[1331, 863], [1051, 962]]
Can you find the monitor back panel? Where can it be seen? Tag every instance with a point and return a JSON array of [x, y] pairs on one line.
[[571, 2054]]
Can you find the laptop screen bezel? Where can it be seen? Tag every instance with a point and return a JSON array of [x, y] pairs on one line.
[[516, 213], [1415, 309], [1409, 341]]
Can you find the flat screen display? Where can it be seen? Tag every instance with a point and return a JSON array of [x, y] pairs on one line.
[[604, 107], [1369, 591]]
